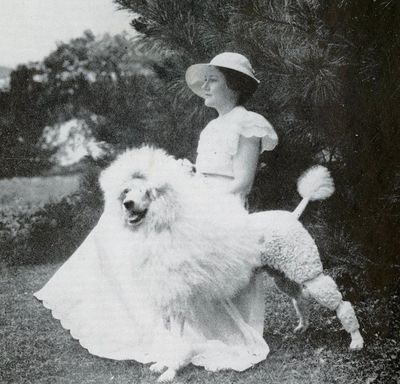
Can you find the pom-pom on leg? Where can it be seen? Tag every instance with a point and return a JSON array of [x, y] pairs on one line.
[[324, 290], [346, 315], [357, 341]]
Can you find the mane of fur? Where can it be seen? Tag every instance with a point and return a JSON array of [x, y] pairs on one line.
[[192, 247]]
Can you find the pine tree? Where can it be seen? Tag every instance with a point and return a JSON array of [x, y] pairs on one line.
[[329, 84], [298, 59]]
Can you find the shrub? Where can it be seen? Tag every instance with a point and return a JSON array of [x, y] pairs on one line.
[[32, 235]]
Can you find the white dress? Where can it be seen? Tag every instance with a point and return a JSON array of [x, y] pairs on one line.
[[112, 317], [218, 145]]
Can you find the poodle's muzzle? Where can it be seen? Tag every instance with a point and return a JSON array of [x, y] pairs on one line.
[[135, 200], [133, 216]]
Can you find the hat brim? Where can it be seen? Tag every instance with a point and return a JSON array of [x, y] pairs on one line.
[[195, 76]]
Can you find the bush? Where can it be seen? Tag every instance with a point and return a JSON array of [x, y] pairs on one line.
[[48, 234], [52, 232]]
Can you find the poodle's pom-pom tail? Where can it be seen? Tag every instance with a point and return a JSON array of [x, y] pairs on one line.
[[316, 184]]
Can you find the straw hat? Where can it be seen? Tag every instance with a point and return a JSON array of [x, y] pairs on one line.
[[196, 74]]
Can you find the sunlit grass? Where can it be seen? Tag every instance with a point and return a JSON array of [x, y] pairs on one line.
[[35, 191]]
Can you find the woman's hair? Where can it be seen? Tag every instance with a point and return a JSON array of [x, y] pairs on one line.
[[238, 82]]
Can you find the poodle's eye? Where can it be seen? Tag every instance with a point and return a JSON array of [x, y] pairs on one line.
[[151, 194], [125, 191], [161, 190], [137, 175]]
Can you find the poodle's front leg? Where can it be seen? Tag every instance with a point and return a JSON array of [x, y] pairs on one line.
[[157, 367], [168, 375], [182, 354], [182, 357]]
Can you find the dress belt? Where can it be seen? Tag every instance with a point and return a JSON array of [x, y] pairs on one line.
[[216, 176]]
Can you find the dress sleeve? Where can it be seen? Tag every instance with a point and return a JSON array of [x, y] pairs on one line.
[[255, 125]]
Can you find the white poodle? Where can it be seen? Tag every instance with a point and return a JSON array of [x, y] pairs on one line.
[[195, 247]]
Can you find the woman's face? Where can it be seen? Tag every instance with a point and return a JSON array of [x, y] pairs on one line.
[[217, 94]]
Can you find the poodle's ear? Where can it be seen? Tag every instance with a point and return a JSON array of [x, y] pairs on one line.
[[152, 193], [160, 190], [164, 209]]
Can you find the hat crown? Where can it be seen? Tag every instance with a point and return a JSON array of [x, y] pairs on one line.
[[234, 61]]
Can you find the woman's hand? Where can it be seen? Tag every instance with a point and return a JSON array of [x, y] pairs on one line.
[[188, 166], [245, 165]]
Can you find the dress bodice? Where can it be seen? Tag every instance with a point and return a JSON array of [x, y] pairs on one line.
[[219, 140]]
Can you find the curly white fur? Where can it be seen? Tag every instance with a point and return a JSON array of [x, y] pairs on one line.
[[324, 290], [191, 247], [286, 246]]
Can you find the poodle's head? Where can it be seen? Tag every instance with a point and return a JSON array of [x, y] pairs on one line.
[[143, 186], [135, 200]]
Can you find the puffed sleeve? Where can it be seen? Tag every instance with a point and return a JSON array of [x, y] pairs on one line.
[[254, 125]]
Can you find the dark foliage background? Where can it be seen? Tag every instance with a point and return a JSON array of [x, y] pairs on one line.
[[329, 84]]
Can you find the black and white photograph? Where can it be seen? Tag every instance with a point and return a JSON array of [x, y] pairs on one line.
[[203, 192]]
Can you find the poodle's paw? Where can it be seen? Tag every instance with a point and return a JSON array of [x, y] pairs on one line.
[[357, 341], [301, 328], [167, 376], [157, 367], [212, 367]]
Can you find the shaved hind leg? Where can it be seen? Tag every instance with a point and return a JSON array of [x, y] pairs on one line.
[[295, 291], [301, 306]]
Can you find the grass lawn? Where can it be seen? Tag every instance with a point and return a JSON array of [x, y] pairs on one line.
[[36, 349], [20, 191]]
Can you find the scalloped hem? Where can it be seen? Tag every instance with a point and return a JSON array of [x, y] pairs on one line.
[[87, 344], [215, 355]]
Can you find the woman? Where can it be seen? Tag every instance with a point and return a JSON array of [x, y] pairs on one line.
[[230, 145], [227, 156], [113, 320]]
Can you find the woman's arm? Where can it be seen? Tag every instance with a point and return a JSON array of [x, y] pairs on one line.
[[245, 164]]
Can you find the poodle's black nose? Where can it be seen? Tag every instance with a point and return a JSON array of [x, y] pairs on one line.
[[129, 205]]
